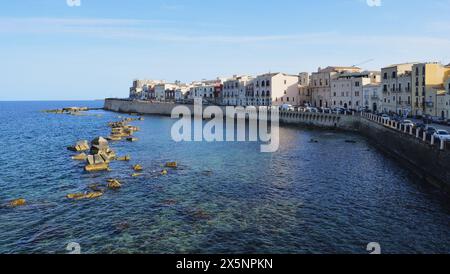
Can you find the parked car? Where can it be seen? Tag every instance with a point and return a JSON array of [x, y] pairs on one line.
[[338, 110], [407, 123], [430, 130], [442, 135], [311, 109], [421, 126], [287, 107], [385, 118], [441, 121]]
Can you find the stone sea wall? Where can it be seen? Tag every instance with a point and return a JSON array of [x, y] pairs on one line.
[[429, 160]]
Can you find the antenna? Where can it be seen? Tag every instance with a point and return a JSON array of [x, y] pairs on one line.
[[362, 63]]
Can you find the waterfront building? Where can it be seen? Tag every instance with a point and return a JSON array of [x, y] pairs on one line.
[[304, 90], [320, 84], [443, 103], [397, 89], [426, 80], [164, 92], [182, 92], [372, 96], [272, 89], [347, 88], [141, 88], [234, 91], [208, 90]]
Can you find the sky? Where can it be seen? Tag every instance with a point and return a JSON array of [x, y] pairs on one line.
[[50, 50]]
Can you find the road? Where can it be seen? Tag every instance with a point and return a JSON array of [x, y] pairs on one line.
[[437, 126]]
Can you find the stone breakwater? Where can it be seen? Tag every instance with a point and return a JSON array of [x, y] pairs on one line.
[[424, 156]]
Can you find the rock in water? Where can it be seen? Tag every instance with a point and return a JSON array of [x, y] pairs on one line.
[[17, 202], [114, 184]]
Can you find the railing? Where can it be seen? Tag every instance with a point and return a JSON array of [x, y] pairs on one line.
[[417, 133]]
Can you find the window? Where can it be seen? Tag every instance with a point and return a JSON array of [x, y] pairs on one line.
[[356, 84], [267, 83], [385, 76]]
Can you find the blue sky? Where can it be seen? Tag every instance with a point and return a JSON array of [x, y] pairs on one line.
[[50, 51]]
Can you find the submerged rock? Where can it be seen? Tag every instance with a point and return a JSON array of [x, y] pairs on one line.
[[82, 196], [172, 164], [17, 202], [124, 158]]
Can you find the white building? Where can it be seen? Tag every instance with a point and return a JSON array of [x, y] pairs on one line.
[[234, 91], [372, 97], [165, 92], [320, 84], [141, 89], [272, 89], [347, 88]]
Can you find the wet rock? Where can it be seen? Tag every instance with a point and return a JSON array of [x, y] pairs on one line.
[[114, 138], [17, 202], [164, 172], [80, 157], [137, 168], [79, 146], [114, 184], [83, 196], [124, 158], [200, 215], [169, 202], [132, 139], [122, 226], [96, 167], [172, 164], [136, 175]]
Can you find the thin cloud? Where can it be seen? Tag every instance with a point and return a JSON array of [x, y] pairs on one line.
[[170, 31]]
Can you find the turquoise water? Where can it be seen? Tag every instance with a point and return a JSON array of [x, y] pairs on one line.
[[326, 197]]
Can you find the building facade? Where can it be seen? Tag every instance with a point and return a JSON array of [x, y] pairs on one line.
[[347, 88], [372, 97], [140, 88], [304, 90], [272, 89], [427, 78], [397, 89], [234, 91], [320, 84]]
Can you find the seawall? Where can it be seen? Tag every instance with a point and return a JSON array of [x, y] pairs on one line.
[[428, 159]]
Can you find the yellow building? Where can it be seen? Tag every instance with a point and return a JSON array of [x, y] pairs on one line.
[[427, 80], [443, 100]]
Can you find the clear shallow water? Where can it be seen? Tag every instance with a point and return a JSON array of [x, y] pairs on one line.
[[326, 197]]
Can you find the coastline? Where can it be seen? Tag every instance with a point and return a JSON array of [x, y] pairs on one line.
[[428, 161]]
